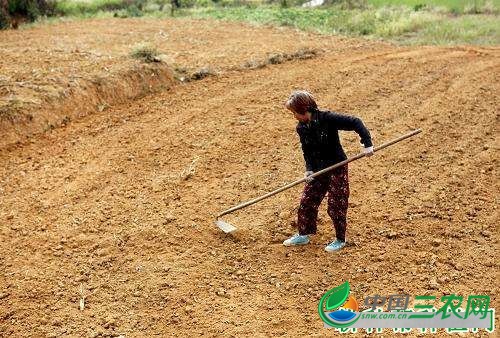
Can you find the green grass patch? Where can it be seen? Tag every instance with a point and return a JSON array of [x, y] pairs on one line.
[[400, 21], [452, 6], [132, 8], [399, 24], [76, 8], [469, 29]]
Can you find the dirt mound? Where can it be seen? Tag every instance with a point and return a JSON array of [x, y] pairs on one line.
[[24, 115], [118, 206]]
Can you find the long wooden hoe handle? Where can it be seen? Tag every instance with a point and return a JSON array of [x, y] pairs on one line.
[[288, 186]]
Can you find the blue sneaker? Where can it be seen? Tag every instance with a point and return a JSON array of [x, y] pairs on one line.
[[296, 240], [336, 245]]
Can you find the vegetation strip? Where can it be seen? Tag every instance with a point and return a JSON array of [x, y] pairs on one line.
[[408, 22]]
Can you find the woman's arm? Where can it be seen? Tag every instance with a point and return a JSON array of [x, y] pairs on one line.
[[351, 123], [306, 151]]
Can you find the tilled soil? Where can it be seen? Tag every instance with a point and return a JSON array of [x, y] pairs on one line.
[[117, 207], [56, 73]]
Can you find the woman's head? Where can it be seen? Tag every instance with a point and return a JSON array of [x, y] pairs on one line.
[[301, 103]]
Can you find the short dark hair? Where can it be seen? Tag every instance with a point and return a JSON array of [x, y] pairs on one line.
[[301, 101]]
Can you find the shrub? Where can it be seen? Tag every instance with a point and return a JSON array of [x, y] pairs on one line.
[[25, 9], [4, 15], [354, 4], [146, 53], [134, 11]]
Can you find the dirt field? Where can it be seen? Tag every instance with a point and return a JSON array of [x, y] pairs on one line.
[[118, 205], [49, 78]]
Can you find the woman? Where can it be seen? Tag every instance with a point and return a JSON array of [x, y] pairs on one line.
[[318, 132]]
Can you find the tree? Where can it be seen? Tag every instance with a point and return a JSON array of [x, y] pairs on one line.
[[14, 11], [4, 14]]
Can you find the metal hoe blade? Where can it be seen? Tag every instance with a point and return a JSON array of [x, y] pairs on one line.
[[224, 226]]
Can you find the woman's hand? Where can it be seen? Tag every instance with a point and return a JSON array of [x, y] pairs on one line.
[[307, 174], [368, 151]]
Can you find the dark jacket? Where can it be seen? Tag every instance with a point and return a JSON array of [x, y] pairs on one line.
[[320, 138]]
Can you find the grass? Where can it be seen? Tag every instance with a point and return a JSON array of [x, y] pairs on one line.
[[441, 22], [481, 30], [78, 8], [451, 6], [398, 24], [146, 53]]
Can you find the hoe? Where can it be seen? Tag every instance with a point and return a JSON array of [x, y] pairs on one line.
[[228, 228]]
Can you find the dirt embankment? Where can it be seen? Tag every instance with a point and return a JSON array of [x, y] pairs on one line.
[[55, 73], [117, 207]]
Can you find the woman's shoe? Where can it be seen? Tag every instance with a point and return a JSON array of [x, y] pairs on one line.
[[296, 240], [336, 245]]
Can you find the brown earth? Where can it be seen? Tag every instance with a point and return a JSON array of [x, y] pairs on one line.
[[58, 72], [118, 206]]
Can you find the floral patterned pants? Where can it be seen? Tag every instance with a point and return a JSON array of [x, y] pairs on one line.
[[336, 184]]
